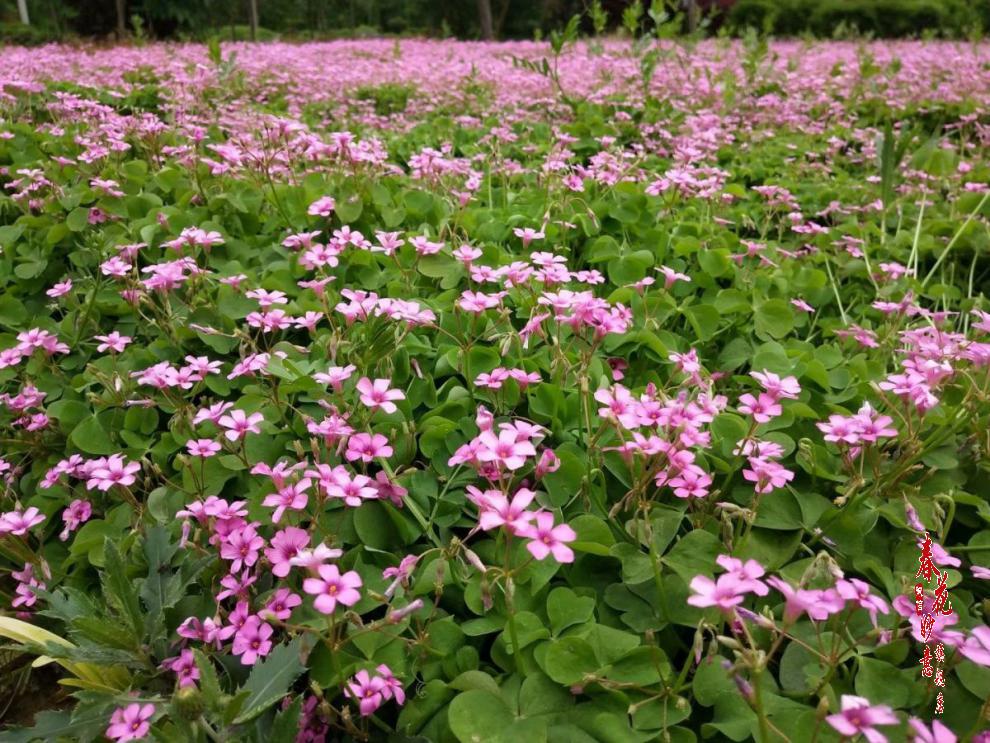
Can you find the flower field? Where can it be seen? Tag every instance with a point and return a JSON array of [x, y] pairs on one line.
[[442, 391]]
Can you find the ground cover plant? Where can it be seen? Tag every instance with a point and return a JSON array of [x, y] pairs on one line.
[[581, 391]]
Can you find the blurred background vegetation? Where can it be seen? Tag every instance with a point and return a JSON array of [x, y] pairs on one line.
[[41, 21]]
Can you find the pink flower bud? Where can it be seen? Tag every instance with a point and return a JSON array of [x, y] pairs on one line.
[[484, 419], [549, 462]]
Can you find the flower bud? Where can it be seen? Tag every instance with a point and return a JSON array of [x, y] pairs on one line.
[[548, 462], [188, 702], [822, 710], [484, 419]]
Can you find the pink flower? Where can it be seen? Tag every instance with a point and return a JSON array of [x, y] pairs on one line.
[[252, 641], [78, 512], [183, 666], [130, 722], [353, 490], [335, 376], [114, 470], [493, 380], [238, 424], [241, 547], [548, 462], [285, 545], [819, 605], [367, 447], [212, 413], [367, 691], [547, 539], [332, 588], [777, 387], [763, 409], [202, 447], [376, 394], [938, 733], [311, 559], [497, 511], [691, 482], [977, 646], [527, 235], [858, 717], [839, 428], [747, 574], [504, 450], [60, 289], [281, 604], [670, 276], [18, 523], [400, 573], [766, 475], [322, 207], [114, 342], [27, 586], [393, 687], [859, 592], [288, 497], [725, 593]]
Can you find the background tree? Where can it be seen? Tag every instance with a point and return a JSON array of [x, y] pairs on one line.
[[485, 20]]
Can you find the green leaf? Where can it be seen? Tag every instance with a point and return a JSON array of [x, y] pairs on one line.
[[569, 660], [209, 684], [774, 318], [374, 527], [159, 589], [882, 683], [121, 588], [80, 724], [478, 716], [270, 679], [92, 438], [539, 695], [78, 219], [285, 728], [694, 554], [565, 608], [12, 311], [704, 320]]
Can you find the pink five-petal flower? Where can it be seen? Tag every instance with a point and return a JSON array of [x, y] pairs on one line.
[[239, 424], [547, 539], [130, 722], [367, 447], [859, 717], [202, 447], [252, 641], [332, 588], [393, 687], [114, 470], [377, 394], [322, 207], [504, 449], [725, 592], [285, 545], [18, 523], [858, 591], [748, 574], [498, 510], [366, 690]]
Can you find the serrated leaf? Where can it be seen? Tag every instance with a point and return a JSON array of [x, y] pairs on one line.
[[270, 680]]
